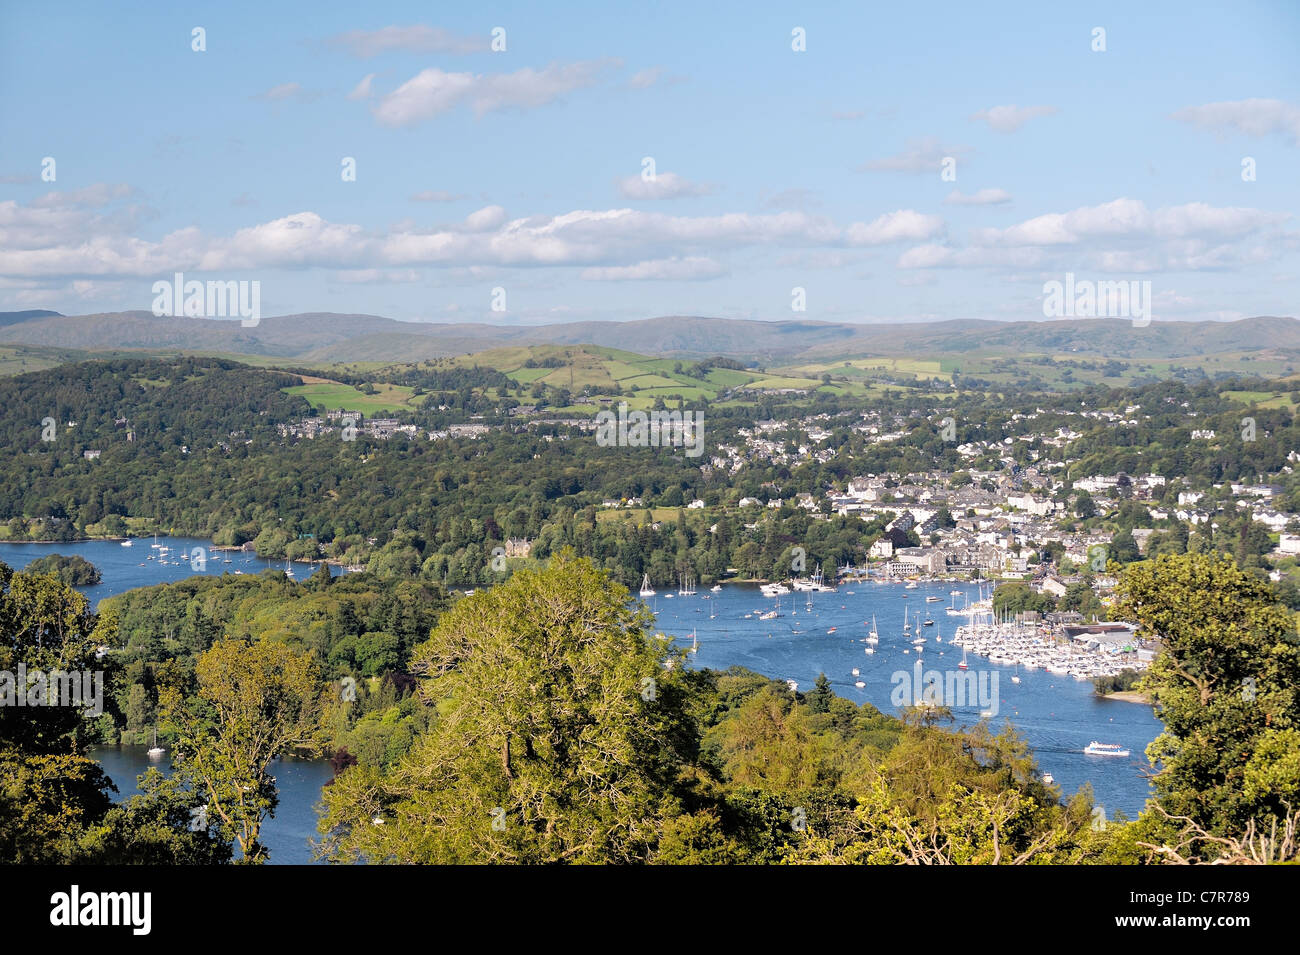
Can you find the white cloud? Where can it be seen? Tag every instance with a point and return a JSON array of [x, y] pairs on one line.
[[1253, 117], [89, 235], [643, 79], [432, 92], [925, 257], [412, 39], [485, 219], [1122, 218], [362, 89], [296, 240], [984, 197], [895, 226], [674, 269], [1008, 119], [665, 185]]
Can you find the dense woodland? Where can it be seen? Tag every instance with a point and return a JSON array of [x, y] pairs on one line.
[[205, 458], [541, 722]]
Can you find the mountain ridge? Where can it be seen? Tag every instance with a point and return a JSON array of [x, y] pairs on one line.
[[332, 336]]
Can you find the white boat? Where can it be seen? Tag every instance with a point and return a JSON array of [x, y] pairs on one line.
[[716, 588], [126, 543], [687, 588], [774, 590], [646, 589], [854, 671], [1105, 749], [933, 599], [874, 635], [911, 585], [963, 665], [1047, 779], [859, 684], [156, 751]]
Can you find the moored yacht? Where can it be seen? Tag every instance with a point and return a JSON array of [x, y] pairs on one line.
[[1105, 749]]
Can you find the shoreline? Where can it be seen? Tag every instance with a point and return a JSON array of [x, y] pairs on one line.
[[1127, 696], [235, 548]]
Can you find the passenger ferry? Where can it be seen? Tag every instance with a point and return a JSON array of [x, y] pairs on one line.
[[1105, 749]]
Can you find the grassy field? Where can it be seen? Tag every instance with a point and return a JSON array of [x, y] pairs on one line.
[[20, 359], [636, 514], [1262, 399], [325, 395]]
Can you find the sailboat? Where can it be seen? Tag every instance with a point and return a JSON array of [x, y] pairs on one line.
[[288, 571], [156, 751], [1015, 677], [874, 635], [695, 642], [907, 624], [646, 589], [154, 545], [963, 665]]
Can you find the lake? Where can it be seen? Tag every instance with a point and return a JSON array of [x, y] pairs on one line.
[[1057, 715]]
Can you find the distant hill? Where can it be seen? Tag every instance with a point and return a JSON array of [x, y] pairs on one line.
[[12, 318], [331, 337]]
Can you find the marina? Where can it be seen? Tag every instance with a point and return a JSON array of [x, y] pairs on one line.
[[860, 639]]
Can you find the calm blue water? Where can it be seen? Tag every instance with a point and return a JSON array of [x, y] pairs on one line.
[[286, 835], [125, 568], [1057, 715]]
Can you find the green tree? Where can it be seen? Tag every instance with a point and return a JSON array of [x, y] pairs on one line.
[[1227, 681], [819, 698], [561, 730], [256, 701]]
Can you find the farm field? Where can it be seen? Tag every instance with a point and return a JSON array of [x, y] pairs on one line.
[[326, 395]]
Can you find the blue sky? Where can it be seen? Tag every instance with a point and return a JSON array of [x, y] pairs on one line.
[[522, 169]]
